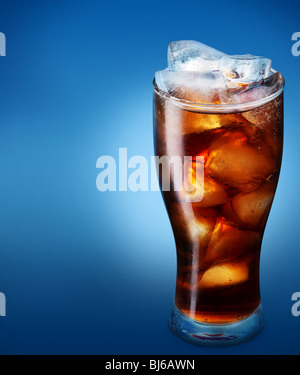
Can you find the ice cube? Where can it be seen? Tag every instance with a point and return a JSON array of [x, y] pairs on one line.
[[193, 122], [227, 274], [228, 214], [192, 231], [239, 161], [197, 87], [269, 119], [204, 192], [245, 68], [189, 227], [253, 207], [256, 91], [193, 56], [227, 242]]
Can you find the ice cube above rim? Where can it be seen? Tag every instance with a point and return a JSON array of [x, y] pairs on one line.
[[245, 68], [192, 56], [188, 58]]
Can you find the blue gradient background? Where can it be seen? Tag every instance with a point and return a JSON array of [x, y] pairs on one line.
[[86, 272]]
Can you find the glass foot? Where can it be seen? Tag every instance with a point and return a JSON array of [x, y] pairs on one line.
[[215, 335]]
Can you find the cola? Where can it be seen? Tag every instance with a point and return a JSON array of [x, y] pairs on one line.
[[218, 238]]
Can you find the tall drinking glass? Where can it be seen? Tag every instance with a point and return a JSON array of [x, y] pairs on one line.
[[219, 226]]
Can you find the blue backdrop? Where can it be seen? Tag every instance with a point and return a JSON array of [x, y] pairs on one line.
[[86, 272]]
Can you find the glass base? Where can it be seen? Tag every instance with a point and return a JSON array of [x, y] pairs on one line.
[[215, 335]]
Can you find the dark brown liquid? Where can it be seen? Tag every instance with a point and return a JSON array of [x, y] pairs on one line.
[[218, 238]]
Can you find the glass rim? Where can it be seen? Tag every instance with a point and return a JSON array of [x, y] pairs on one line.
[[220, 108]]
